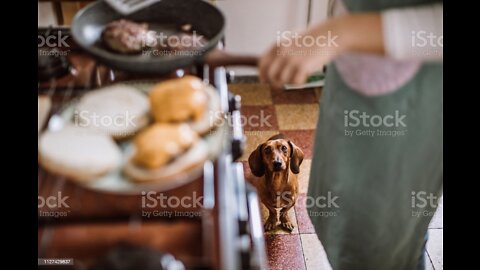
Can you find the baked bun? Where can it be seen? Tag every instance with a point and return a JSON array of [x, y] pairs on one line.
[[165, 151], [81, 154], [179, 100], [118, 110], [184, 165], [160, 143], [213, 118]]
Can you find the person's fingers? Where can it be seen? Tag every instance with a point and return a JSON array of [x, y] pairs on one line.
[[288, 71], [299, 76], [265, 62], [263, 65], [274, 70]]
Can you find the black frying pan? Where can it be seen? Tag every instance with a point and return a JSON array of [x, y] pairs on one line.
[[204, 18]]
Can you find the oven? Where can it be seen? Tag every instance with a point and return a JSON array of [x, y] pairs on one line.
[[225, 233]]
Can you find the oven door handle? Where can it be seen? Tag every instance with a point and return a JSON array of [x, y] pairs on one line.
[[208, 207], [258, 255], [238, 140], [241, 191]]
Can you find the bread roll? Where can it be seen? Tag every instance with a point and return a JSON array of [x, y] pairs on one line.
[[81, 154], [118, 110], [179, 100], [158, 144], [188, 164]]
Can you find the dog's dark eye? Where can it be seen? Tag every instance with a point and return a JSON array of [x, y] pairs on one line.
[[284, 148], [267, 150]]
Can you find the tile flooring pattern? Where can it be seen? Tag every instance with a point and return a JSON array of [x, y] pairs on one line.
[[267, 112]]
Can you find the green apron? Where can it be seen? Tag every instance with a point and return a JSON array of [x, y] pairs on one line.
[[372, 195]]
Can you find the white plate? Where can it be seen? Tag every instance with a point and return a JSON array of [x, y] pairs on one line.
[[208, 147]]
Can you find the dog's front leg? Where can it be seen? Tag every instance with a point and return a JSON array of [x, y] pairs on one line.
[[285, 220], [272, 219]]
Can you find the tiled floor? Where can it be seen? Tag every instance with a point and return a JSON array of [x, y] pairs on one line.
[[268, 112]]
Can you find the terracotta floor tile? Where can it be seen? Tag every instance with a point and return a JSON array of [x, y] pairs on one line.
[[259, 118], [314, 254], [303, 139], [294, 96], [304, 175], [284, 252], [252, 94], [297, 116], [303, 219], [253, 139]]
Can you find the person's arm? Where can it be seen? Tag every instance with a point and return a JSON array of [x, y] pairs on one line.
[[292, 62], [389, 32]]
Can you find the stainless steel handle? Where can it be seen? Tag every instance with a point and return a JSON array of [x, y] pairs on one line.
[[220, 81], [238, 140], [258, 258], [208, 185], [237, 171], [208, 205]]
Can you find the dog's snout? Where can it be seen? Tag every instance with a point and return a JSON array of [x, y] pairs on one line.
[[277, 164]]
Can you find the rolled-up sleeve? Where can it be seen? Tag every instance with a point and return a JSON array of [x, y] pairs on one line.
[[414, 33]]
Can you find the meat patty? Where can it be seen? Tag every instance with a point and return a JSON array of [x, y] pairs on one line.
[[125, 36]]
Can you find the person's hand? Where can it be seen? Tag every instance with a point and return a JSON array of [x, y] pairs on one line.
[[291, 60]]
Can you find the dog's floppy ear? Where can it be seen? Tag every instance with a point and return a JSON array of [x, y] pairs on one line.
[[296, 158], [255, 161]]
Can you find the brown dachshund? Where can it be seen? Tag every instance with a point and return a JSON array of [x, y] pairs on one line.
[[276, 164]]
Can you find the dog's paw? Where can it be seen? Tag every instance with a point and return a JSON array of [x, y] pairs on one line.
[[270, 224], [287, 225]]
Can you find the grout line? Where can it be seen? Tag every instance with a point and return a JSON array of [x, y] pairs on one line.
[[301, 242], [430, 259]]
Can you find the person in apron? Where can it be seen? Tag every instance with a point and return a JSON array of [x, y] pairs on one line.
[[377, 169]]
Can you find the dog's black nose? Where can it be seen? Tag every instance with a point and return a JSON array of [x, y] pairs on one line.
[[277, 165]]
